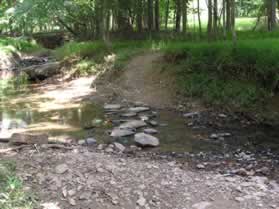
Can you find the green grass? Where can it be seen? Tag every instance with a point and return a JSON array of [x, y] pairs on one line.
[[17, 45], [218, 72], [12, 194]]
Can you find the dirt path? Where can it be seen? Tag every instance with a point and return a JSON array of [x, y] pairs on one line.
[[144, 81], [106, 177]]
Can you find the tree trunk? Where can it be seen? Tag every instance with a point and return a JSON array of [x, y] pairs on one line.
[[139, 15], [167, 14], [178, 16], [228, 11], [271, 4], [199, 19], [224, 19], [184, 16], [209, 25], [157, 15], [233, 22], [150, 15], [215, 17]]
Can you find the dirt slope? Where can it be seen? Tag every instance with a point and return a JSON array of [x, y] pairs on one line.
[[144, 81]]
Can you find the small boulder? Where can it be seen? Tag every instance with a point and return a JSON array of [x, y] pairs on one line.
[[146, 140], [133, 124], [90, 141], [117, 133], [139, 109]]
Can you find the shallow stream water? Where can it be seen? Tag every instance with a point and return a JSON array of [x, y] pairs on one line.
[[50, 111]]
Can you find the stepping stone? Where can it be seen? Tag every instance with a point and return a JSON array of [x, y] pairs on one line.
[[146, 140], [153, 123], [129, 115], [150, 131], [90, 141], [112, 107], [134, 124], [117, 133], [139, 109]]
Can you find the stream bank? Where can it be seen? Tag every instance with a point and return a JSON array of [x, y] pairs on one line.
[[197, 145]]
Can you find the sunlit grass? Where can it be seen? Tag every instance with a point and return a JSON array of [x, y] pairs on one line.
[[12, 194]]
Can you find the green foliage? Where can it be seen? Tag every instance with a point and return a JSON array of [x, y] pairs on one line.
[[17, 45], [12, 194], [241, 75], [80, 49]]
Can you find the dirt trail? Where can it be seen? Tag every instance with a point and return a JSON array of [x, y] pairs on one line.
[[144, 81], [104, 177]]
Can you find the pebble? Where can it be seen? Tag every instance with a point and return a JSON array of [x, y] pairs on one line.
[[146, 140], [90, 141], [141, 201], [202, 205], [62, 168], [119, 147], [200, 166]]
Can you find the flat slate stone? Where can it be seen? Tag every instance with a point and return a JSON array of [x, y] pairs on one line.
[[139, 109], [129, 114], [133, 124], [112, 106], [150, 131], [146, 140], [117, 132]]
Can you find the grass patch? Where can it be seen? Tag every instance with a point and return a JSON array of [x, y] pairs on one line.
[[18, 45], [220, 73], [12, 194]]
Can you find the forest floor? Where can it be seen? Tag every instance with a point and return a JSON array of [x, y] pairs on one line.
[[105, 176]]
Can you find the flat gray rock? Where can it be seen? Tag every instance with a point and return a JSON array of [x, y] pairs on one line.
[[62, 168], [129, 114], [119, 147], [112, 106], [150, 131], [133, 124], [146, 140], [139, 109], [117, 132]]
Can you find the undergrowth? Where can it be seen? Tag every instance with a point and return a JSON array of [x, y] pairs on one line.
[[243, 75], [12, 194], [18, 45], [219, 72]]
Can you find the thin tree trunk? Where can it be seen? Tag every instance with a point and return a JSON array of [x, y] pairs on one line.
[[150, 15], [224, 19], [178, 16], [199, 18], [233, 22], [184, 16], [228, 11], [209, 25], [157, 15], [167, 14], [215, 17], [139, 15]]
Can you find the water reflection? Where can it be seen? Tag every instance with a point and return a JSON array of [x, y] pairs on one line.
[[55, 122]]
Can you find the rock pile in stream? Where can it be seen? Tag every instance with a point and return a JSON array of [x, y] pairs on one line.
[[133, 121]]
